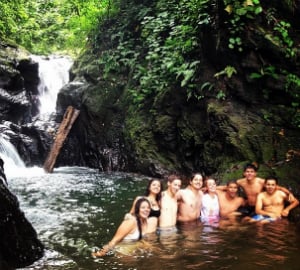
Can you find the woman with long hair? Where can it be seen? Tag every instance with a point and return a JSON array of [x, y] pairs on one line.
[[130, 229], [153, 195]]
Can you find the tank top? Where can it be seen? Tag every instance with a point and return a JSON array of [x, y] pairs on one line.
[[133, 236], [210, 211]]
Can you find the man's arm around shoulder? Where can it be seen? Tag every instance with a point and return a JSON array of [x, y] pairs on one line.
[[293, 203]]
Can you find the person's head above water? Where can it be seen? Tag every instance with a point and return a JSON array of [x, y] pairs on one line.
[[142, 208], [174, 183], [250, 166], [154, 186]]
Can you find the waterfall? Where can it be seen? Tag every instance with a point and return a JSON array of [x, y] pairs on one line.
[[53, 74], [10, 156], [13, 164]]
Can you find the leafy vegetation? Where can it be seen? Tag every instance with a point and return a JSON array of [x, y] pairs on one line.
[[239, 12], [45, 26], [166, 54], [159, 44]]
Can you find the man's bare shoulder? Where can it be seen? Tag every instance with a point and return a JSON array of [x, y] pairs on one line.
[[260, 180], [261, 195], [241, 181], [280, 193], [184, 192], [180, 194]]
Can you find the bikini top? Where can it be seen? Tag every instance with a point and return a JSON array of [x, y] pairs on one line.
[[154, 213]]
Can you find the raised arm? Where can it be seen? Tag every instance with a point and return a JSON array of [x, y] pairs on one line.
[[221, 188]]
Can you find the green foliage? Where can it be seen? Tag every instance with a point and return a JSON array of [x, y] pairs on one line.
[[46, 26], [239, 12], [228, 71], [168, 37], [280, 36], [292, 87], [221, 95], [12, 13], [265, 71]]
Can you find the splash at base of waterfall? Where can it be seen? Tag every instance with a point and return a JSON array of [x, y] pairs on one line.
[[13, 164], [10, 155]]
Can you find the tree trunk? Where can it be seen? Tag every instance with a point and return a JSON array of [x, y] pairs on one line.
[[69, 118]]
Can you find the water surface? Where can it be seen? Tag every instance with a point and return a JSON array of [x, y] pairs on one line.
[[77, 209]]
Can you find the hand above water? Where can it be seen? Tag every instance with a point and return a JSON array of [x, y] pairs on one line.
[[101, 252]]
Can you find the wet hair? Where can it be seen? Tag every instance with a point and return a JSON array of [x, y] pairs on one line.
[[173, 177], [250, 166], [137, 214], [187, 180], [147, 192], [231, 182], [272, 178], [194, 174], [209, 178]]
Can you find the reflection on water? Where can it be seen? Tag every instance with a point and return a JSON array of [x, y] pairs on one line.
[[77, 209]]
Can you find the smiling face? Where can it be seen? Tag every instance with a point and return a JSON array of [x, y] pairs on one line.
[[174, 186], [144, 209], [155, 187], [232, 190], [211, 185], [250, 174], [270, 186], [197, 182]]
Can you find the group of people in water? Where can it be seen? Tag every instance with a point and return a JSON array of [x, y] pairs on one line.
[[205, 201]]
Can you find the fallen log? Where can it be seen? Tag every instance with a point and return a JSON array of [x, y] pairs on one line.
[[69, 118]]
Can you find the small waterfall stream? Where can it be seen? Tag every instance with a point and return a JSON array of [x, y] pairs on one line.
[[54, 74], [11, 158]]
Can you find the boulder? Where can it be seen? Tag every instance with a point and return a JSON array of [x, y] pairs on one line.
[[19, 244]]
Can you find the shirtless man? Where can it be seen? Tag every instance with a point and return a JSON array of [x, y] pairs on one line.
[[168, 211], [252, 186], [270, 203], [230, 201], [190, 200]]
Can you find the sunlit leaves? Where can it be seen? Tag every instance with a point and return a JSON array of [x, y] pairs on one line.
[[47, 26]]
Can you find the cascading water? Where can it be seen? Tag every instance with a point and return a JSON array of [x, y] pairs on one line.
[[54, 74], [10, 157]]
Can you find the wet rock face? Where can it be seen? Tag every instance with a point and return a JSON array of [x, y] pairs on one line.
[[19, 79], [19, 244], [18, 85]]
